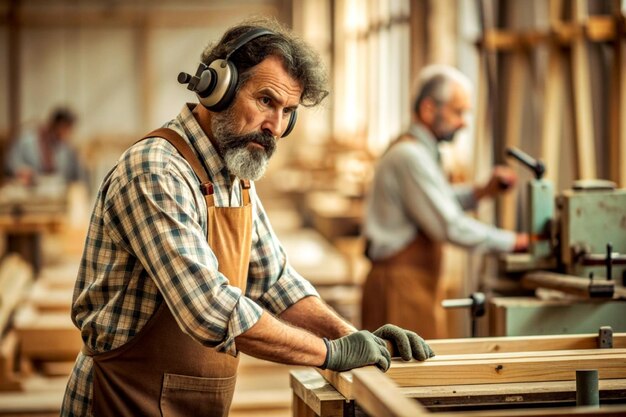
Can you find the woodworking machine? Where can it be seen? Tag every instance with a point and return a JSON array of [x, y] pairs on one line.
[[571, 279], [580, 233]]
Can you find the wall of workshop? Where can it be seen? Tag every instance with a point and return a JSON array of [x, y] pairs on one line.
[[114, 63]]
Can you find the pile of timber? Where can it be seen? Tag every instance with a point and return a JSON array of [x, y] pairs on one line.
[[49, 341], [16, 278], [502, 372]]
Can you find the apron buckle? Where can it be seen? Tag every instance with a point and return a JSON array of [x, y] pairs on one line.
[[207, 188]]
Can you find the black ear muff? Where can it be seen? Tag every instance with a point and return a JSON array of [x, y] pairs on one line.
[[291, 124]]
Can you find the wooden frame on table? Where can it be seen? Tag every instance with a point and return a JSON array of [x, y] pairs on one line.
[[500, 371]]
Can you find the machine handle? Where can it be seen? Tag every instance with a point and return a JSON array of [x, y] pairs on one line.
[[535, 165]]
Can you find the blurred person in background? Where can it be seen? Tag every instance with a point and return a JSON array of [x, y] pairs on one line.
[[412, 209], [46, 151]]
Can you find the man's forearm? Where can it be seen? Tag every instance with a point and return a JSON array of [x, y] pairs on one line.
[[314, 315], [273, 340]]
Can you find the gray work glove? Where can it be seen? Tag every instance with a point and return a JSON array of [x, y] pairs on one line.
[[405, 342], [355, 350]]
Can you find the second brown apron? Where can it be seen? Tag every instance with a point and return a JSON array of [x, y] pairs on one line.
[[162, 371], [403, 290]]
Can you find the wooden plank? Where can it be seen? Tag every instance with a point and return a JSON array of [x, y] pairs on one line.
[[568, 284], [47, 336], [517, 355], [45, 299], [615, 109], [583, 111], [553, 392], [553, 98], [491, 371], [553, 113], [604, 411], [38, 397], [502, 40], [9, 381], [316, 393], [300, 409], [494, 369], [521, 343], [518, 70], [33, 18], [379, 396], [16, 277], [601, 28], [617, 140]]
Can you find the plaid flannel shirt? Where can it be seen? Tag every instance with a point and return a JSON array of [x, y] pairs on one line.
[[147, 244]]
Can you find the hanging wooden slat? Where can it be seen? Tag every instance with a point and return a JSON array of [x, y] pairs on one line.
[[583, 111]]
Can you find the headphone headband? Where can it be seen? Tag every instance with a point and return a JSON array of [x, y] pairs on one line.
[[253, 34], [215, 84]]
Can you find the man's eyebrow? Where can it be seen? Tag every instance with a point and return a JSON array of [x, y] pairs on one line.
[[270, 93]]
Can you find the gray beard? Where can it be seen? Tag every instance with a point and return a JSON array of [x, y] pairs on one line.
[[241, 160], [246, 164]]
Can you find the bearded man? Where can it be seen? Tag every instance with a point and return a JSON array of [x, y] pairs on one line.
[[412, 209], [181, 269]]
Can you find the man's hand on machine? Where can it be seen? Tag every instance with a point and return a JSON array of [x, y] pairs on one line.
[[405, 343]]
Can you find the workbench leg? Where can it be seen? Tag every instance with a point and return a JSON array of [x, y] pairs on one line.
[[28, 246], [300, 409]]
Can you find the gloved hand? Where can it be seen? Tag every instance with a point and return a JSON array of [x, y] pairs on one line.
[[355, 350], [407, 343]]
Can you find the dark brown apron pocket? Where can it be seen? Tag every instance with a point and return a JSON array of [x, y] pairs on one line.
[[183, 395]]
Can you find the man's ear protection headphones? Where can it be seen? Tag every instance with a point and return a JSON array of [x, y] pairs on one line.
[[215, 85]]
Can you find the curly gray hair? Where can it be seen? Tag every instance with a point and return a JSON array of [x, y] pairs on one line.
[[300, 60]]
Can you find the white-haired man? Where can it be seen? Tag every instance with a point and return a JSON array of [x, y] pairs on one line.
[[412, 209]]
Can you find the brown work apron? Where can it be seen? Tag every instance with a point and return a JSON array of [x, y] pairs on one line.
[[404, 290], [162, 371]]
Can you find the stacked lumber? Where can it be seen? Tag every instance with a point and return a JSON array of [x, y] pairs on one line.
[[15, 280], [262, 389], [49, 341], [504, 372]]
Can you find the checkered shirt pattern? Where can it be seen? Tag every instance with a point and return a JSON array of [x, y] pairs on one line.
[[147, 244]]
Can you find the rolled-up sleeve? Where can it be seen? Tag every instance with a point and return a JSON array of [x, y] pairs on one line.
[[432, 203], [156, 217]]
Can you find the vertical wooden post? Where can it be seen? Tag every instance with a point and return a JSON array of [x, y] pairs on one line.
[[514, 116], [581, 88], [553, 100], [617, 121], [144, 71], [13, 50], [621, 163]]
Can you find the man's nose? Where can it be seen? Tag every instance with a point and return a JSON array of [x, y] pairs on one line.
[[273, 124]]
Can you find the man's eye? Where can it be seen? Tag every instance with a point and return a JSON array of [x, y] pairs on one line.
[[266, 100]]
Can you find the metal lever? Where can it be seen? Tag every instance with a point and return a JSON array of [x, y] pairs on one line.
[[609, 261], [476, 303], [535, 165]]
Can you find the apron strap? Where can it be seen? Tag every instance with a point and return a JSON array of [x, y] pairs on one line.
[[245, 192], [185, 150]]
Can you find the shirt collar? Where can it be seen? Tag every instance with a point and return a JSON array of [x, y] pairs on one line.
[[212, 161], [421, 133]]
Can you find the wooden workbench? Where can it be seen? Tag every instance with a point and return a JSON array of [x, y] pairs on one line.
[[511, 373], [26, 213]]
